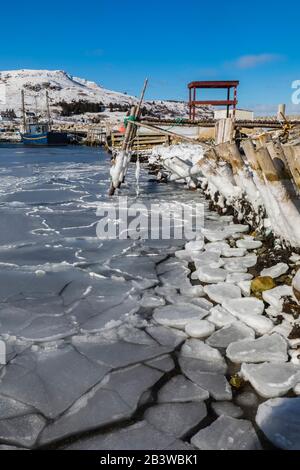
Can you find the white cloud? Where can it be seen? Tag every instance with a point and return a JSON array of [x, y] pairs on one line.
[[254, 60]]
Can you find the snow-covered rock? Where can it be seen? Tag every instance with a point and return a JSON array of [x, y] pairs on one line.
[[62, 86]]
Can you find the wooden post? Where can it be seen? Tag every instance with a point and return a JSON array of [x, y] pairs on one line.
[[48, 109], [23, 111], [292, 154], [224, 130], [250, 153], [281, 112]]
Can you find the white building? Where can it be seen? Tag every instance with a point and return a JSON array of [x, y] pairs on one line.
[[240, 114]]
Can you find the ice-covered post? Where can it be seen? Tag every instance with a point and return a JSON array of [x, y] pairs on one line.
[[281, 112], [2, 352]]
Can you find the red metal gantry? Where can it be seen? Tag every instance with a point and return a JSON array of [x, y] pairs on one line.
[[228, 85]]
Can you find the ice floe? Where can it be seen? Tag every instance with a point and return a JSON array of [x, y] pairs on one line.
[[114, 399], [199, 329], [279, 420], [275, 271], [181, 390], [227, 433], [221, 291], [211, 275], [139, 436], [226, 408], [271, 380], [271, 348], [236, 331], [220, 316], [176, 419], [178, 316]]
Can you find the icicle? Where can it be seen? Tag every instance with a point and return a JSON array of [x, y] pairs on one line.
[[137, 175]]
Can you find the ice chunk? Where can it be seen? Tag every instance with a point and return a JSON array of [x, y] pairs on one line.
[[140, 436], [211, 275], [249, 311], [275, 271], [221, 291], [100, 321], [193, 291], [178, 299], [229, 252], [215, 384], [245, 287], [152, 301], [163, 363], [273, 296], [279, 420], [226, 408], [247, 261], [178, 316], [235, 267], [195, 245], [176, 419], [21, 430], [199, 328], [216, 247], [199, 350], [236, 228], [114, 399], [271, 379], [240, 307], [179, 390], [214, 235], [189, 364], [227, 433], [247, 400], [51, 380], [248, 243], [118, 353], [220, 317], [10, 408], [208, 258], [229, 334], [236, 278], [167, 336], [271, 348], [46, 328]]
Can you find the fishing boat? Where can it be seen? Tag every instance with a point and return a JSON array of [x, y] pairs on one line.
[[36, 133]]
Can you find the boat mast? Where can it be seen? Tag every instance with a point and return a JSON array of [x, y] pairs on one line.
[[23, 110], [48, 110]]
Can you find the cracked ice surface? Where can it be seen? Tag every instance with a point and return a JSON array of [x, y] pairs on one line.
[[113, 343]]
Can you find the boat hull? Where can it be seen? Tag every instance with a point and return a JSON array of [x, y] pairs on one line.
[[45, 139]]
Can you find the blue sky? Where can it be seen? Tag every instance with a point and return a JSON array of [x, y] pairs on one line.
[[119, 43]]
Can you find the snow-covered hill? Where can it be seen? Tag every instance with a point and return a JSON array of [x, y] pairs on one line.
[[63, 87]]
